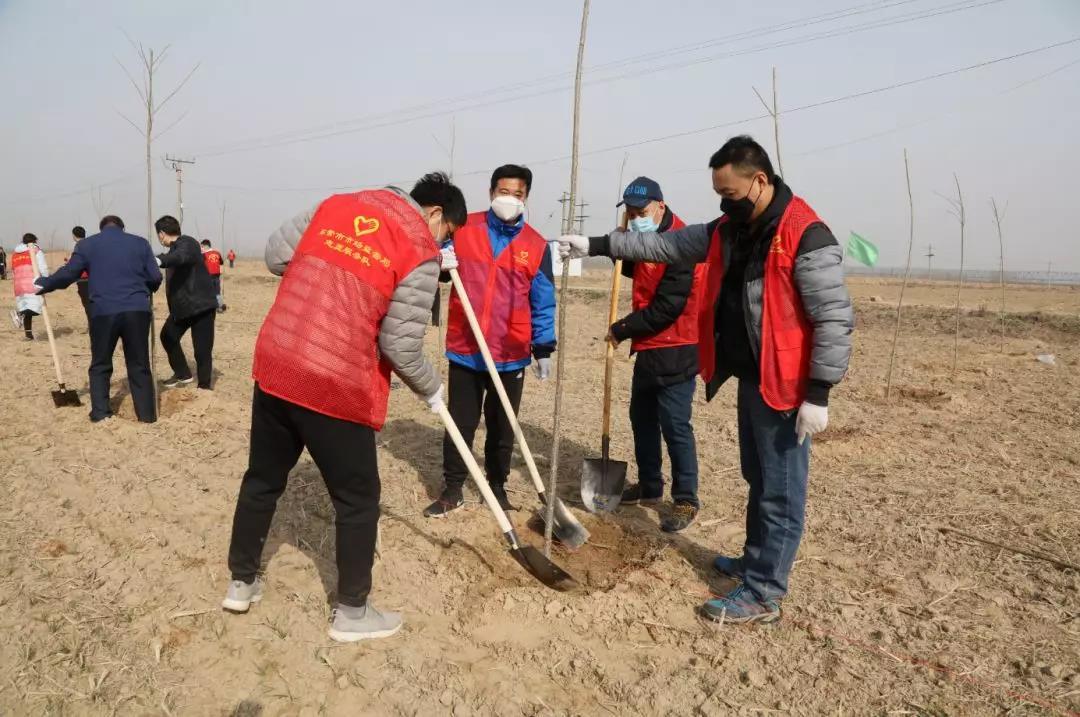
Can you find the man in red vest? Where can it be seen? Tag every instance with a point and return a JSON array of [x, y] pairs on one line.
[[663, 330], [232, 258], [505, 267], [212, 258], [360, 273], [778, 318]]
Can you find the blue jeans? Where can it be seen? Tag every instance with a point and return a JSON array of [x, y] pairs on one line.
[[776, 467], [657, 411]]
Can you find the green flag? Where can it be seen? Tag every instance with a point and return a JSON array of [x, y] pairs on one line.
[[861, 250]]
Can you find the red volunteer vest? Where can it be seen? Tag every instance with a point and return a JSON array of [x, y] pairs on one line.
[[213, 262], [23, 271], [498, 289], [684, 332], [319, 345], [232, 255], [786, 336]]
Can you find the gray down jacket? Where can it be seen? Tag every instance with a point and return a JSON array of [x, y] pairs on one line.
[[401, 336], [819, 277]]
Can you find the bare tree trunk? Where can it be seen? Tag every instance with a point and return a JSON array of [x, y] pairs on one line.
[[960, 279], [1001, 248], [559, 383], [150, 224], [907, 275]]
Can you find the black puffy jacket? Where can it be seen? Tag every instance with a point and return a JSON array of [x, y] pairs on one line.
[[188, 286]]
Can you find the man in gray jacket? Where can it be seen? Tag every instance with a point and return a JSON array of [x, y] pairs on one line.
[[781, 324], [360, 273]]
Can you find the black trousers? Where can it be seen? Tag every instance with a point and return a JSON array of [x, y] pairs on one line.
[[345, 454], [133, 329], [28, 321], [470, 393], [202, 340], [83, 287]]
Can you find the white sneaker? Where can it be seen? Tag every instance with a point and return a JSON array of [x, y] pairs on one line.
[[352, 624], [241, 595]]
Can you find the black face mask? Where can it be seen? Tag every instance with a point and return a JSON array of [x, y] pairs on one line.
[[740, 210]]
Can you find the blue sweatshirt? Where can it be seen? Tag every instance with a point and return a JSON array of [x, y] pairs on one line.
[[123, 272], [541, 300]]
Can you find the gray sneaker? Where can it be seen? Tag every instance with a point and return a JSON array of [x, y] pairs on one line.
[[241, 595], [352, 624]]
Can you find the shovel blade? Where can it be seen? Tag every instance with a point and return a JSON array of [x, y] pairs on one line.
[[543, 569], [65, 397], [565, 527], [602, 483]]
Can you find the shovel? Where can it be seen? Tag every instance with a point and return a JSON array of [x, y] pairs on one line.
[[527, 556], [565, 526], [602, 479], [63, 396]]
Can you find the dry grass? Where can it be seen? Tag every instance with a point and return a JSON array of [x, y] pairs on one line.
[[113, 539]]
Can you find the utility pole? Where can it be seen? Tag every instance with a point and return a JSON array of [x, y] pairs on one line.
[[1048, 265], [178, 167], [562, 222], [580, 218], [930, 261]]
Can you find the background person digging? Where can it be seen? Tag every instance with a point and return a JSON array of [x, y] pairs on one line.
[[192, 304], [663, 330], [27, 302]]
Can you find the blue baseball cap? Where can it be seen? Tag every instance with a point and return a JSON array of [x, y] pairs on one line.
[[640, 192]]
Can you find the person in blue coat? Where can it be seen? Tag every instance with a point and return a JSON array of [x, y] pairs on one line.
[[123, 273]]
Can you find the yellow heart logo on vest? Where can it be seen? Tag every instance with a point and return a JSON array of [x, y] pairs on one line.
[[370, 226]]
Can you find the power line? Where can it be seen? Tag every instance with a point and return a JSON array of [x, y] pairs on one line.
[[927, 120], [501, 89], [403, 116]]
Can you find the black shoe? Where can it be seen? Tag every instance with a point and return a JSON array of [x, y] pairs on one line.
[[450, 500], [499, 489], [682, 515], [174, 381], [633, 496]]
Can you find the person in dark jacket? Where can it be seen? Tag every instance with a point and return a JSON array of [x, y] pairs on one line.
[[83, 284], [192, 304], [663, 332], [782, 326], [122, 276]]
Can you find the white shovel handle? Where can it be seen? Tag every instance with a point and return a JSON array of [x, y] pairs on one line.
[[45, 315], [496, 380], [474, 471]]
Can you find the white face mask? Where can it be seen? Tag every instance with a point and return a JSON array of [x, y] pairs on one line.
[[507, 208]]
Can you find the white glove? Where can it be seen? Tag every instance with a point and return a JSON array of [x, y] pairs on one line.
[[435, 400], [542, 368], [573, 246], [812, 419], [158, 260], [448, 259]]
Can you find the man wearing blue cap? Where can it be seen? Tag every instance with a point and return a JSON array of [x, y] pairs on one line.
[[663, 330]]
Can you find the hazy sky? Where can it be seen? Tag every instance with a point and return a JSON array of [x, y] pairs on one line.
[[388, 80]]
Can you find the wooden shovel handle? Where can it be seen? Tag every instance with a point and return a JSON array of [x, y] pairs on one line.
[[45, 315], [475, 472], [609, 357], [496, 381]]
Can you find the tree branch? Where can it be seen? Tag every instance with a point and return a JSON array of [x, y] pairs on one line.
[[764, 103], [178, 88]]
